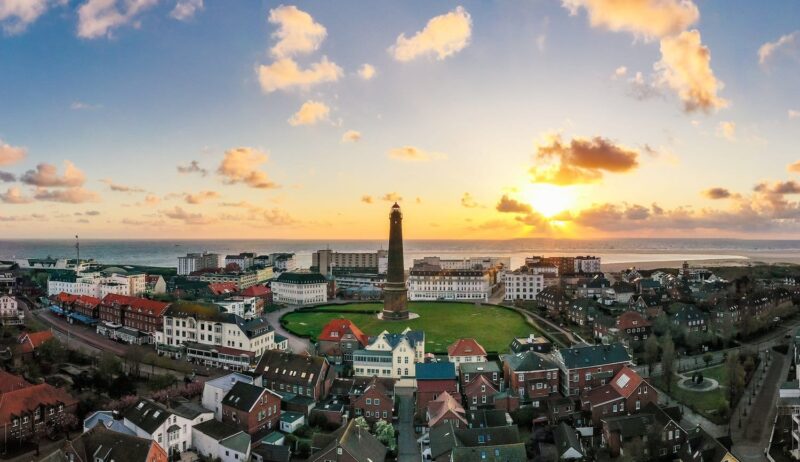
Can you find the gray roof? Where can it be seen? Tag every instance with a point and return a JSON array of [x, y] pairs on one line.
[[239, 442], [105, 444], [500, 453], [216, 429], [566, 438], [147, 415], [474, 368], [359, 443], [190, 410], [595, 355], [290, 277], [243, 396], [528, 361], [273, 453], [106, 419], [447, 438]]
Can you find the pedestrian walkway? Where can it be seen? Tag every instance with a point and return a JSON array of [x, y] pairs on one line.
[[407, 446]]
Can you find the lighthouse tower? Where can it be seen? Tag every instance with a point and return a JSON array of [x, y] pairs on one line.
[[395, 293]]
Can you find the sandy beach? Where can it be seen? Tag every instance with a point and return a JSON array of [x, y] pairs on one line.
[[745, 259]]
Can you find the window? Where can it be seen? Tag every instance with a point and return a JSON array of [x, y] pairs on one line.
[[377, 402], [369, 400]]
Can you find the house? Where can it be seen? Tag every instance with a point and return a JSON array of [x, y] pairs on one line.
[[654, 425], [532, 342], [101, 444], [217, 440], [568, 443], [10, 314], [466, 350], [271, 453], [592, 288], [155, 284], [560, 408], [216, 389], [391, 355], [87, 306], [11, 382], [108, 420], [374, 403], [490, 370], [34, 410], [583, 368], [350, 443], [335, 411], [339, 339], [303, 375], [482, 418], [706, 448], [29, 342], [134, 312], [531, 375], [649, 305], [253, 409], [300, 288], [555, 300], [626, 393], [169, 428], [434, 379], [495, 444], [444, 409], [688, 318], [630, 327], [261, 293], [583, 311], [620, 292], [480, 392], [291, 421], [223, 289]]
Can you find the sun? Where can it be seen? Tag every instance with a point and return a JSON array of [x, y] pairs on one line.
[[549, 200]]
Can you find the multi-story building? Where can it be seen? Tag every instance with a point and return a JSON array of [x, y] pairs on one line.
[[466, 350], [527, 281], [391, 355], [375, 402], [197, 262], [626, 393], [349, 443], [583, 368], [339, 339], [101, 444], [170, 428], [435, 379], [555, 300], [33, 410], [431, 282], [284, 372], [496, 263], [688, 318], [283, 262], [241, 279], [97, 284], [296, 288], [10, 314], [133, 312], [204, 333], [531, 375], [630, 327], [331, 263], [253, 409], [587, 264], [240, 306], [216, 389], [243, 260]]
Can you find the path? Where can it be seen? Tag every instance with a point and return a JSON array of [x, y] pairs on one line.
[[296, 344], [407, 446]]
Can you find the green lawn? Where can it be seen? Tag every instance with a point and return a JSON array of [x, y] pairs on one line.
[[443, 323], [706, 403]]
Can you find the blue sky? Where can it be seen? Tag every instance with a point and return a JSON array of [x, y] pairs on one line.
[[131, 104]]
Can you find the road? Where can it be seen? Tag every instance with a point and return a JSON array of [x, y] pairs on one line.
[[407, 446], [296, 344], [533, 318]]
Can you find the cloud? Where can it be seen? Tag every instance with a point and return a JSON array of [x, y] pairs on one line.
[[778, 187], [151, 199], [647, 19], [685, 66], [620, 72], [717, 193], [793, 114], [468, 201], [351, 136], [11, 154], [509, 205], [46, 175], [240, 165], [413, 154], [17, 15], [286, 74], [310, 113], [641, 89], [83, 106], [727, 130], [98, 18], [391, 197], [582, 160], [367, 199], [193, 167], [177, 213], [7, 177], [71, 195], [200, 197], [366, 71], [297, 32], [787, 44], [186, 9], [14, 195], [92, 213], [121, 188], [443, 36]]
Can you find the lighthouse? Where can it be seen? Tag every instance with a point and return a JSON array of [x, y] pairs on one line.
[[395, 293]]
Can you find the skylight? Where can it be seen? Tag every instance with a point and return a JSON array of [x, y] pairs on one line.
[[623, 380]]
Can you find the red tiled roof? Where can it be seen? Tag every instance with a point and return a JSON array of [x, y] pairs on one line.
[[437, 386], [221, 288], [441, 406], [25, 400], [602, 395], [466, 347], [86, 300], [64, 297], [342, 326], [33, 340], [10, 382], [481, 380], [632, 319], [256, 291], [151, 278], [626, 386], [153, 307]]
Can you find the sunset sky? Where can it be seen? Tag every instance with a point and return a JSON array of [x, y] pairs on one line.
[[484, 119]]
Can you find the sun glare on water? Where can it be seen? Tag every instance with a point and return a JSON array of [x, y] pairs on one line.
[[549, 200]]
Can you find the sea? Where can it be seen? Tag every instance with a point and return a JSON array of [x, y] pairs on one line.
[[165, 253]]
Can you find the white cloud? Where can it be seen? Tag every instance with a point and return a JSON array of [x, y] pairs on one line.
[[414, 154], [297, 32], [644, 18], [285, 74], [98, 18], [366, 71], [71, 195], [793, 114], [727, 130], [351, 136], [786, 43], [240, 165], [11, 154], [186, 9], [46, 175], [17, 15], [620, 72], [14, 195], [310, 113], [443, 36]]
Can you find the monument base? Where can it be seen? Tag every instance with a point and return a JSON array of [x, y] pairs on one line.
[[395, 316]]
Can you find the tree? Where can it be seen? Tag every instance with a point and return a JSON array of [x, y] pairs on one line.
[[661, 324], [707, 358], [668, 361], [134, 358], [109, 366], [651, 352], [361, 422], [735, 377], [53, 351], [693, 341], [634, 451], [384, 431]]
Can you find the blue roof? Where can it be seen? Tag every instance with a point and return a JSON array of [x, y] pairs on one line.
[[413, 336], [106, 419], [436, 371]]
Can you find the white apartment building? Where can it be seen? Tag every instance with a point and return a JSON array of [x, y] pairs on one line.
[[244, 260], [587, 264], [391, 355], [204, 333], [295, 288], [169, 428], [10, 314], [465, 263], [526, 282], [283, 262], [244, 307], [328, 262], [427, 282], [197, 261], [216, 389], [97, 284]]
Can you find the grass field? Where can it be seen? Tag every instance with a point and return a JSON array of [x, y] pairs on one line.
[[443, 323], [706, 403]]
